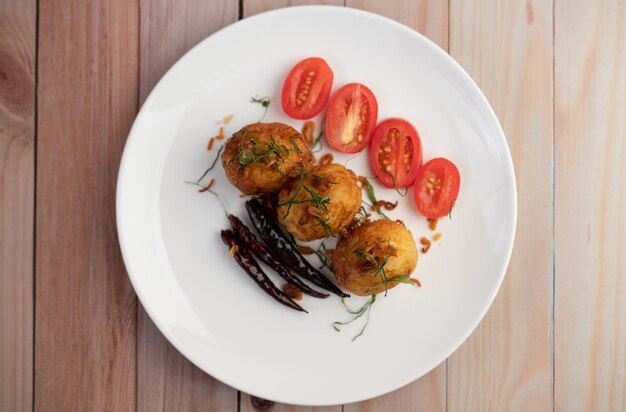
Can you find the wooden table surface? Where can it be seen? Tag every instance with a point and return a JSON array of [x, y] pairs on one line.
[[73, 74]]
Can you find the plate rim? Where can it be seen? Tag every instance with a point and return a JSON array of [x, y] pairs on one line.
[[133, 137]]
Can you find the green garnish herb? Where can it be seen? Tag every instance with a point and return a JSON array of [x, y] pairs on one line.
[[321, 254], [380, 270], [451, 207], [263, 101], [372, 196], [318, 200], [208, 189], [375, 262], [323, 179], [292, 199], [362, 215], [324, 223], [203, 188], [395, 279], [317, 142], [366, 256], [219, 152], [295, 145], [258, 155], [379, 211], [315, 198], [393, 179], [370, 190], [357, 314]]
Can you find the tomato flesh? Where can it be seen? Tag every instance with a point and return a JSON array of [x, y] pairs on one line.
[[395, 153], [351, 118], [436, 188], [307, 88]]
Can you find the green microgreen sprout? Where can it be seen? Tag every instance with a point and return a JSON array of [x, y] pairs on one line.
[[295, 145], [393, 179], [315, 198], [395, 279], [318, 200], [451, 207], [380, 268], [273, 150], [219, 152], [318, 142], [366, 308], [366, 256], [208, 189], [263, 101], [361, 214], [324, 223], [292, 199], [369, 189], [320, 252]]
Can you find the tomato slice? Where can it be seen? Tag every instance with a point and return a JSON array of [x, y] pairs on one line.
[[307, 88], [395, 153], [351, 118], [436, 187]]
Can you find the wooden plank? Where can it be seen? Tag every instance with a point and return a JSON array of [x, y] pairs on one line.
[[171, 27], [167, 381], [18, 21], [507, 48], [85, 353], [430, 18], [425, 394], [252, 404], [590, 202], [252, 7]]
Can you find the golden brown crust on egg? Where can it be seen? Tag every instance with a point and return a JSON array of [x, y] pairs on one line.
[[362, 254], [262, 157], [324, 202]]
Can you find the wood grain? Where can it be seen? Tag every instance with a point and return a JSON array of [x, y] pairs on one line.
[[252, 7], [590, 227], [17, 167], [425, 394], [250, 404], [169, 28], [167, 381], [85, 351], [507, 48], [97, 60], [430, 18]]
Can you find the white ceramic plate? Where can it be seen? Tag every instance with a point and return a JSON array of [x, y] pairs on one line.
[[204, 303]]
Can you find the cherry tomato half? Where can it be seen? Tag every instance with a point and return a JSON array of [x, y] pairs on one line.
[[351, 118], [395, 153], [436, 187], [307, 88]]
